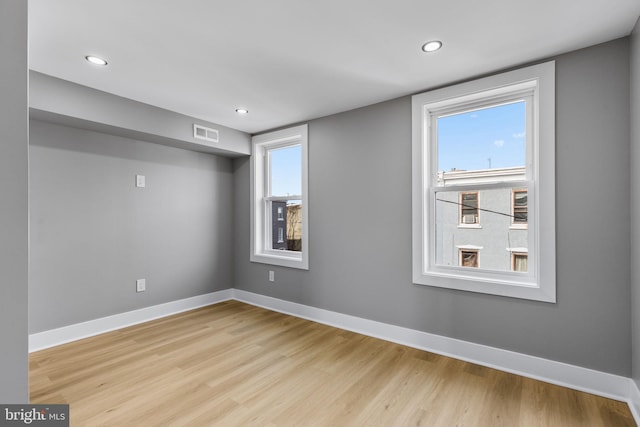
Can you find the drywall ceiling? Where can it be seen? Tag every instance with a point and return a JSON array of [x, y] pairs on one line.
[[292, 60]]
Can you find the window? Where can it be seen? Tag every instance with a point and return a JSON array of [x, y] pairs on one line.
[[519, 207], [468, 258], [491, 140], [519, 262], [279, 194], [469, 208]]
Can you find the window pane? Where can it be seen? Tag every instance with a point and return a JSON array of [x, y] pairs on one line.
[[286, 233], [286, 171], [493, 238], [294, 225], [278, 226], [486, 138]]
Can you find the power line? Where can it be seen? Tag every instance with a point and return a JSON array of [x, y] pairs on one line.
[[475, 207]]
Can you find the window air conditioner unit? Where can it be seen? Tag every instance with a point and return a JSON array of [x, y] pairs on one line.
[[468, 219]]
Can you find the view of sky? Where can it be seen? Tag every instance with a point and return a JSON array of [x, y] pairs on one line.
[[286, 171], [492, 137]]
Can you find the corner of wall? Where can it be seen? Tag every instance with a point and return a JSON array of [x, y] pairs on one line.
[[635, 203]]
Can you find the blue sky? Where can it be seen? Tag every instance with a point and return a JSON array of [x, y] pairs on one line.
[[286, 171], [468, 140]]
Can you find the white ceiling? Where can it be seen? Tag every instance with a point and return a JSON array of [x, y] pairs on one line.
[[293, 60]]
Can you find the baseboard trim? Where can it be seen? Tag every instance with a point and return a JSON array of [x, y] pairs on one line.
[[65, 334], [562, 374]]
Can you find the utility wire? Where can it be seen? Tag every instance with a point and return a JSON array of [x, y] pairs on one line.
[[475, 207]]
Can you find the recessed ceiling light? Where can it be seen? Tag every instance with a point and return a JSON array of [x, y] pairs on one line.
[[95, 60], [432, 46], [242, 111]]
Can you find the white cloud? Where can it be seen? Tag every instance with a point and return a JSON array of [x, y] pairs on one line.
[[519, 134], [498, 143]]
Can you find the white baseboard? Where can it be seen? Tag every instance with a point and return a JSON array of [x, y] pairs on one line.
[[65, 334], [563, 374], [634, 400]]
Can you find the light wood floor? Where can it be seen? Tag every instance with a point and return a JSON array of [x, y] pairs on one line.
[[233, 364]]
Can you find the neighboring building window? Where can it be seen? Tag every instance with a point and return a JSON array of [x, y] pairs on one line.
[[519, 262], [279, 193], [469, 208], [468, 258], [278, 208], [520, 209], [493, 140]]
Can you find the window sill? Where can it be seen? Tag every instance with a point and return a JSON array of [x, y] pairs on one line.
[[519, 227], [511, 284], [282, 258], [476, 226]]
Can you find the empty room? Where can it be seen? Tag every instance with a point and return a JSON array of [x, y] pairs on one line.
[[320, 213]]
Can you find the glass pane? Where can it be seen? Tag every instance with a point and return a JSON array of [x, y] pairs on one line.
[[492, 238], [486, 138], [286, 171], [286, 235]]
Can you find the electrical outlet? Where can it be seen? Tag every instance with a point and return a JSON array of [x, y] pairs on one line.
[[140, 181], [272, 276], [141, 285]]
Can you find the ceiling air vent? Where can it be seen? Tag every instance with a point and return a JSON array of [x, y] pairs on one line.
[[208, 134]]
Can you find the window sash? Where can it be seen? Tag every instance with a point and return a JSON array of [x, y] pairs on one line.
[[430, 264], [433, 114]]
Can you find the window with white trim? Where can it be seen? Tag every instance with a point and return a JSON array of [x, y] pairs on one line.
[[279, 225], [493, 139]]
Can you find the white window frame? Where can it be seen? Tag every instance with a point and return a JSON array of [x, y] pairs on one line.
[[261, 233], [539, 283]]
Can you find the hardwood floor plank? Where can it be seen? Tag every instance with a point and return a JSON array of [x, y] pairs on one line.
[[233, 364]]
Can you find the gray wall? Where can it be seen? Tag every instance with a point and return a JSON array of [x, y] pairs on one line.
[[93, 233], [360, 227], [635, 199], [14, 211]]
